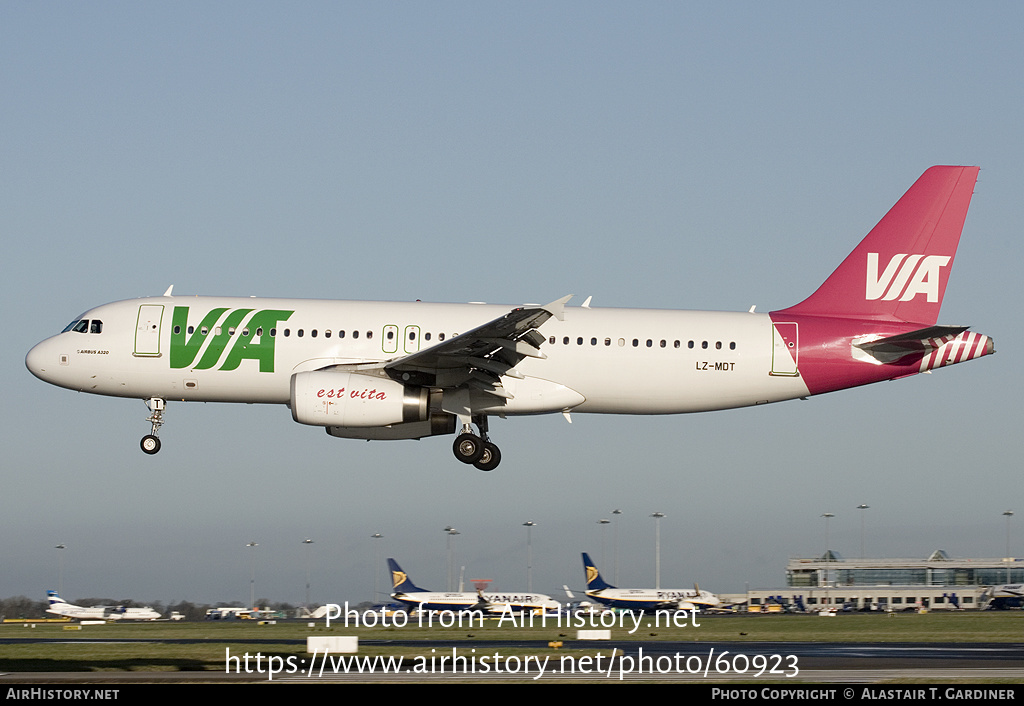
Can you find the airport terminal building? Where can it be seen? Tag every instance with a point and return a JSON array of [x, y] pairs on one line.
[[935, 582]]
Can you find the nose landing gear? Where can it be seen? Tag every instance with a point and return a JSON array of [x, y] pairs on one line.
[[151, 442]]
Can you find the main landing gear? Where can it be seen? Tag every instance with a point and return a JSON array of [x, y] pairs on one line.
[[476, 450], [151, 442]]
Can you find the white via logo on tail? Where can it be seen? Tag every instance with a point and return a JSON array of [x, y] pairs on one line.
[[893, 281]]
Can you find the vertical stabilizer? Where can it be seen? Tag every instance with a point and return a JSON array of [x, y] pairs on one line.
[[594, 580], [899, 271], [400, 581]]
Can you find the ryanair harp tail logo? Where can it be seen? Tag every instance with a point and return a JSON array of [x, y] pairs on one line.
[[904, 277], [232, 330]]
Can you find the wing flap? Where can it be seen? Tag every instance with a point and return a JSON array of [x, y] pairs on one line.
[[480, 357]]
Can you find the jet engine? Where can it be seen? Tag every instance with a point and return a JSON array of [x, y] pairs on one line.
[[330, 398]]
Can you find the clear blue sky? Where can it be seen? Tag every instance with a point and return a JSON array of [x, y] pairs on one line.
[[661, 154]]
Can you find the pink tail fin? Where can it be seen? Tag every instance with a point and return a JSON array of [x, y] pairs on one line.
[[899, 271]]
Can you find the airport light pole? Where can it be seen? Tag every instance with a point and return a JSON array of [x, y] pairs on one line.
[[60, 567], [309, 548], [657, 548], [451, 532], [862, 507], [1008, 514], [376, 565], [529, 525], [603, 522], [828, 516], [616, 572], [252, 575]]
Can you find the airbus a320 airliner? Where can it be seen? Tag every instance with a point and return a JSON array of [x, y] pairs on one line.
[[389, 370]]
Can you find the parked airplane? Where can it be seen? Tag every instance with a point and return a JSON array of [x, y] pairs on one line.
[[59, 606], [645, 598], [388, 370], [405, 591], [1007, 595]]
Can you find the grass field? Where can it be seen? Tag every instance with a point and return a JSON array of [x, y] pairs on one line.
[[118, 652]]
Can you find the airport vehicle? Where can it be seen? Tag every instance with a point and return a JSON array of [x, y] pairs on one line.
[[645, 599], [411, 595], [104, 612], [391, 370]]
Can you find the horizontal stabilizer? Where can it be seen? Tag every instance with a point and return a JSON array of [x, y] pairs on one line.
[[936, 346], [925, 339]]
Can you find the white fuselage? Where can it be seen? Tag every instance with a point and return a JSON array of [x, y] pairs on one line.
[[614, 361], [102, 612], [653, 599], [492, 602]]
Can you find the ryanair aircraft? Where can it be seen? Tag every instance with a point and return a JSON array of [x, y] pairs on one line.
[[408, 370], [411, 595], [645, 599]]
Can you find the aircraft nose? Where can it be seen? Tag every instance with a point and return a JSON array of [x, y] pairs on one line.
[[40, 361]]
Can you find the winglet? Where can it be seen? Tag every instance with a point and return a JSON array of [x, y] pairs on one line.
[[557, 307], [168, 292]]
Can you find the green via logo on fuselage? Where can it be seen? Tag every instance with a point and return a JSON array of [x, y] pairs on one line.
[[225, 335]]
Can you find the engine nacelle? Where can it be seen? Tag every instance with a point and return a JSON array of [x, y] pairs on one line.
[[328, 398], [440, 423]]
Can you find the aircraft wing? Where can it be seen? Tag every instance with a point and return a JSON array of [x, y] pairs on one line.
[[479, 358]]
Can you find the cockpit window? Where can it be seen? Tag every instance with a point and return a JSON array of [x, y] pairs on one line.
[[84, 326]]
